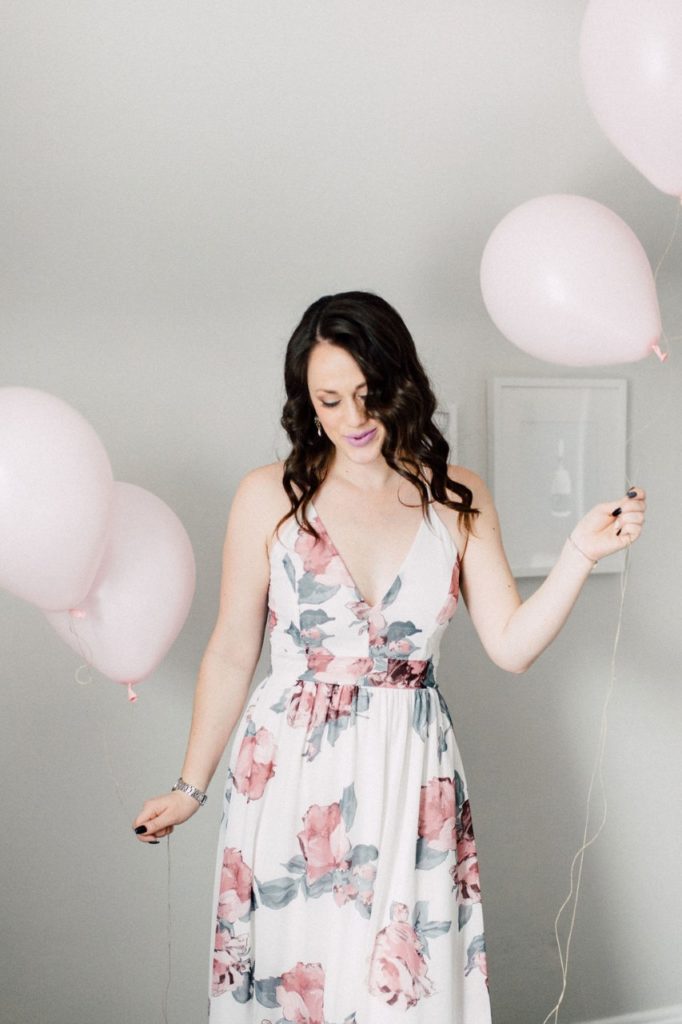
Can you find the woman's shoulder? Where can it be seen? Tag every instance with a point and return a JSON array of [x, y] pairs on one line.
[[450, 516], [475, 483], [468, 478], [261, 500], [263, 485], [258, 503], [264, 476]]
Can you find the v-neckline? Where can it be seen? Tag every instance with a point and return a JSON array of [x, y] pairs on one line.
[[401, 568]]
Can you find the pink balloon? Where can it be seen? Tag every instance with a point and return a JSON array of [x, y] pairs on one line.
[[141, 595], [55, 495], [631, 63], [566, 280]]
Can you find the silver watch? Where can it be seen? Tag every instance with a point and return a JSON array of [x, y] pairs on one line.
[[200, 797]]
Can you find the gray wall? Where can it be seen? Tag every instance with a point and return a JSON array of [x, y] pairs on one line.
[[180, 181]]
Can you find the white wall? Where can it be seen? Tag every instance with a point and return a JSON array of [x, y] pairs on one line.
[[180, 181]]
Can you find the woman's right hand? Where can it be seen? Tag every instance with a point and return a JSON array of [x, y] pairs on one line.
[[159, 815]]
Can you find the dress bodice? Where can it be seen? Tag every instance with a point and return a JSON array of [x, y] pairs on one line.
[[322, 629]]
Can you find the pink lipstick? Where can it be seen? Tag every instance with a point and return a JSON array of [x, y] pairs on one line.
[[360, 439]]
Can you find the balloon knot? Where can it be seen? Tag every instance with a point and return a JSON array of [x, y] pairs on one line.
[[132, 696], [657, 349]]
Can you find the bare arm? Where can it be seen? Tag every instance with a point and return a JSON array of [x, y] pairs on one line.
[[515, 633], [230, 657]]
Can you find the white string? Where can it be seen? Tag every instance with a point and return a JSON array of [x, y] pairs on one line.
[[663, 257], [670, 242], [85, 653], [597, 770], [110, 766], [169, 931], [88, 678], [661, 410], [128, 819], [598, 767]]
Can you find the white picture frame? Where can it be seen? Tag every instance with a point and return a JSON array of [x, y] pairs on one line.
[[556, 448]]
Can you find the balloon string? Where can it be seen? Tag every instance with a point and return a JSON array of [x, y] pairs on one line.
[[83, 650], [574, 892], [77, 675], [663, 355], [670, 241], [110, 767], [128, 818], [86, 655], [662, 410], [169, 930], [597, 770]]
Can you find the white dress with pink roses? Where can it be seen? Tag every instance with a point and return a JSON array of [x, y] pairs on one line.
[[346, 884]]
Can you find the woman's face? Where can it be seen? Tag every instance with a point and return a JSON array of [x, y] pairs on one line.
[[337, 389]]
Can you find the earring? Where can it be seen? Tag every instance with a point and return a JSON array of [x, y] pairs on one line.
[[319, 426]]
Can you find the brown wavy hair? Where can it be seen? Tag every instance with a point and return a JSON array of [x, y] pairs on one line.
[[399, 396]]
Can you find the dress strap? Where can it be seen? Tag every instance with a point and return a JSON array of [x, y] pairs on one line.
[[438, 527]]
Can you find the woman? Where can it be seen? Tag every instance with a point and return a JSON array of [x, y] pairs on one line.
[[346, 885]]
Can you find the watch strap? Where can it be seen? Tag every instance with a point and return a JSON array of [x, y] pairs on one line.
[[198, 795]]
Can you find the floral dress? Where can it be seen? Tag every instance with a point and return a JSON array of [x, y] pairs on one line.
[[346, 883]]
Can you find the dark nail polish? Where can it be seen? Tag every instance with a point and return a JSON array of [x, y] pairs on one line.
[[632, 494], [140, 829], [155, 842], [617, 511], [617, 533]]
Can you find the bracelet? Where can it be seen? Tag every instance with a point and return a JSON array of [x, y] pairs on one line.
[[581, 551], [198, 795]]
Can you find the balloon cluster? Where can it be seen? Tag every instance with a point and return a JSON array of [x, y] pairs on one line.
[[109, 563], [562, 276]]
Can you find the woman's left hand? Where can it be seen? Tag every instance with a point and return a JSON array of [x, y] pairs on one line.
[[611, 526]]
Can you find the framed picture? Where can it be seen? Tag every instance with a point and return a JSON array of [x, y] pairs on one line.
[[556, 448]]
